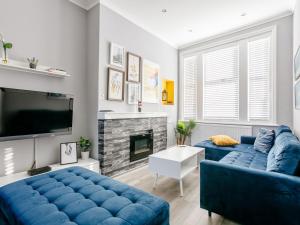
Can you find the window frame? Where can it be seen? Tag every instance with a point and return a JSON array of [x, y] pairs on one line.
[[242, 40]]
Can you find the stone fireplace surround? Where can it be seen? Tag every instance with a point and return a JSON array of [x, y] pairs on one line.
[[114, 134]]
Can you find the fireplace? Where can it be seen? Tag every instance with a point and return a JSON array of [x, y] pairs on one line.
[[141, 145]]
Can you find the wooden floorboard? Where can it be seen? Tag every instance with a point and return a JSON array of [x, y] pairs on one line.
[[183, 210]]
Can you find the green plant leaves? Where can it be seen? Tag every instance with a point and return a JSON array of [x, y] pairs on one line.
[[7, 45]]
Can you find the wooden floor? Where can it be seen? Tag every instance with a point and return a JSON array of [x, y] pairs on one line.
[[183, 210]]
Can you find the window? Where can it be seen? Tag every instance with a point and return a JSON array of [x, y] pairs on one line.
[[230, 81], [259, 79], [190, 88], [221, 84]]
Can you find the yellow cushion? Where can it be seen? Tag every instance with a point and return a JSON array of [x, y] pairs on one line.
[[223, 140]]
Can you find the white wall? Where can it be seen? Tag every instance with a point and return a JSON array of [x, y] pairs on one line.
[[54, 31], [93, 42], [115, 28], [296, 45]]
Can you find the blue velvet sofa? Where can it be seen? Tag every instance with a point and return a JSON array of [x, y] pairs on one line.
[[251, 187], [77, 196]]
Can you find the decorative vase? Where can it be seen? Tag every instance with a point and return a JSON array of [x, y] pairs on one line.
[[85, 155], [4, 57]]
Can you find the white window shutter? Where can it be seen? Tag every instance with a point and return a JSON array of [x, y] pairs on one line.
[[259, 79], [190, 88], [221, 84]]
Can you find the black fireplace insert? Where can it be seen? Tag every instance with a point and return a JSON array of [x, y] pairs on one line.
[[141, 145]]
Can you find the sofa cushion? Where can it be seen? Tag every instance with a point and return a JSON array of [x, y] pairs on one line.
[[256, 160], [264, 141], [284, 157], [223, 140], [281, 129]]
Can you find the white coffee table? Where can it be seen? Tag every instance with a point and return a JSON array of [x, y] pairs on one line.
[[175, 162]]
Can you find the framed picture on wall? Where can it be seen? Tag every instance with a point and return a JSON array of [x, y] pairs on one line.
[[117, 55], [133, 90], [297, 95], [68, 153], [133, 67], [115, 85], [150, 78], [297, 64]]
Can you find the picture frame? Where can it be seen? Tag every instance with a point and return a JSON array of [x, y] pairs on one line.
[[297, 95], [150, 82], [133, 93], [115, 85], [133, 67], [68, 153], [297, 64], [117, 55]]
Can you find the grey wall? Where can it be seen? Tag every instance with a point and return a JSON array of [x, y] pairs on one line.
[[93, 37], [115, 28], [284, 63], [296, 45], [54, 31]]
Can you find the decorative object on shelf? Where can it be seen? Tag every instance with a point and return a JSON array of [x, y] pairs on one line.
[[68, 153], [56, 71], [115, 85], [133, 93], [5, 45], [297, 64], [117, 55], [139, 106], [133, 67], [85, 145], [297, 95], [183, 130], [32, 62], [168, 92], [164, 95], [150, 82]]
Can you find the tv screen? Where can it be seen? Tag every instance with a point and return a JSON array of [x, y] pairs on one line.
[[27, 114]]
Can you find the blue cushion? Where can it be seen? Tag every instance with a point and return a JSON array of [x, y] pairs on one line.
[[284, 157], [264, 141], [282, 129], [256, 160], [77, 196]]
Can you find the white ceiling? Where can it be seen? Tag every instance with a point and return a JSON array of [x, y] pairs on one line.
[[205, 17]]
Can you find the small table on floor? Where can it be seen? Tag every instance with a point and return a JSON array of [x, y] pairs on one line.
[[175, 162]]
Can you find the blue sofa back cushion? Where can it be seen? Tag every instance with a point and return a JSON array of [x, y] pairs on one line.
[[284, 157], [281, 129], [264, 140]]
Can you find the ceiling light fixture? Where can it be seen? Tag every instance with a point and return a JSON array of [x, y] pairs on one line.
[[244, 14], [190, 30], [164, 10]]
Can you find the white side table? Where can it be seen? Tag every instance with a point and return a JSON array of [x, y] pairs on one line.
[[90, 164], [175, 162]]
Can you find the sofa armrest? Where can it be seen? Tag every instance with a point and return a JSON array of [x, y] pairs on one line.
[[249, 196], [248, 140]]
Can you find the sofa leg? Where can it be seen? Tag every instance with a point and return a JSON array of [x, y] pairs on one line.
[[209, 213]]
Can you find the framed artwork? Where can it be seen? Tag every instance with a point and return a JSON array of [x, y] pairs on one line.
[[133, 67], [133, 90], [68, 153], [297, 64], [150, 88], [117, 55], [115, 85], [297, 95]]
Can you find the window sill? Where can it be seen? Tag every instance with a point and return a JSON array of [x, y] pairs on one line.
[[242, 123]]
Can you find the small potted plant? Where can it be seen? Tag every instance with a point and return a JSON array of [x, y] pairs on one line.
[[85, 145], [32, 62], [5, 45], [184, 130]]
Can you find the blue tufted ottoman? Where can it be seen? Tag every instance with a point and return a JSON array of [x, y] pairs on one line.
[[78, 196]]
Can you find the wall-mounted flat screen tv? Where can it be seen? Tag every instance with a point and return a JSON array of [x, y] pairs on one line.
[[28, 114]]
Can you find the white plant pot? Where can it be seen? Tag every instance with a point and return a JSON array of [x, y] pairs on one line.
[[85, 155]]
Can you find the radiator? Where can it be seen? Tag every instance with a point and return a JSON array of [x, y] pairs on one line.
[[203, 131]]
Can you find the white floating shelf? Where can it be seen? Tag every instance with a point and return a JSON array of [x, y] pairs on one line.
[[23, 67]]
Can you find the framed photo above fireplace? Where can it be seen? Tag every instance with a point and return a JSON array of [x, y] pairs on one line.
[[115, 85], [117, 55], [133, 67]]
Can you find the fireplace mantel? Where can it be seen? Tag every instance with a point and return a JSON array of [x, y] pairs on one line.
[[127, 115]]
